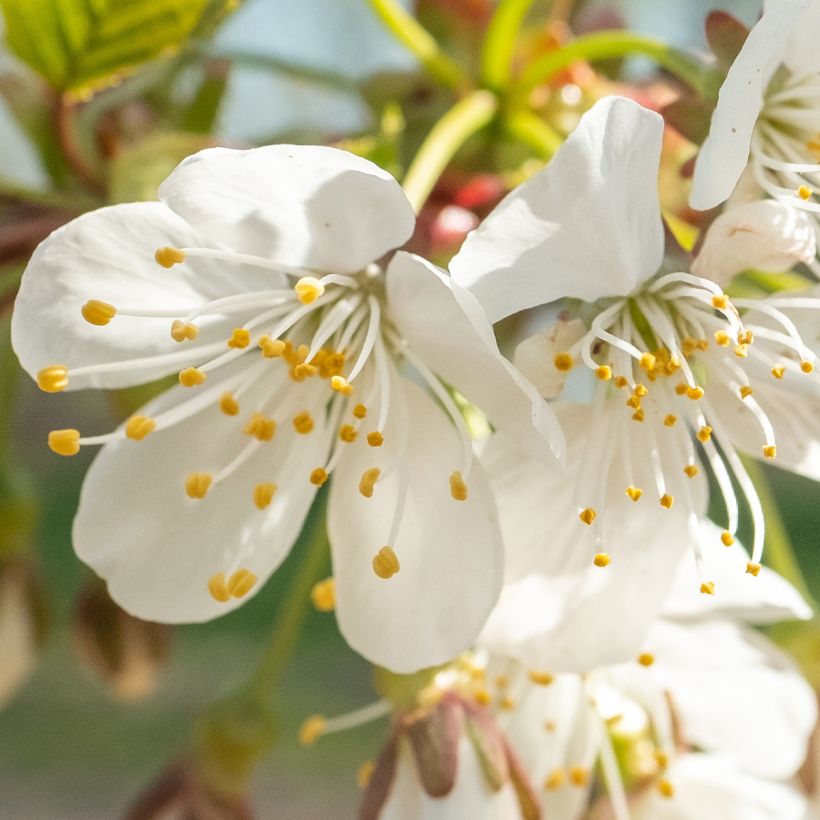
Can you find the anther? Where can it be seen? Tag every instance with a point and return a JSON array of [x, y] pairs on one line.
[[647, 361], [303, 423], [670, 420], [707, 588], [753, 569], [661, 758], [555, 779], [271, 348], [312, 729], [263, 494], [563, 362], [368, 481], [741, 351], [621, 382], [745, 337], [579, 776], [98, 313], [138, 427], [348, 433], [359, 411], [634, 492], [804, 192], [769, 451], [727, 539], [681, 388], [666, 501], [695, 393], [601, 559], [53, 379], [458, 489], [720, 302], [308, 289], [807, 366], [318, 476], [640, 391], [240, 338], [260, 427], [241, 583], [778, 371], [375, 439], [723, 338], [198, 484], [168, 257], [587, 515], [323, 595], [229, 405], [385, 563], [634, 402], [691, 470], [745, 391], [180, 331], [638, 415], [64, 442], [646, 659], [604, 372], [666, 789], [304, 371], [191, 377], [341, 385], [704, 433], [218, 588], [540, 678]]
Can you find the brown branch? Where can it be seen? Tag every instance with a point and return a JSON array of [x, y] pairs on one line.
[[83, 170]]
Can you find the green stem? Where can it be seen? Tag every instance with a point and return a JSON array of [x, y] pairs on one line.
[[607, 45], [420, 42], [464, 119], [530, 129], [500, 41]]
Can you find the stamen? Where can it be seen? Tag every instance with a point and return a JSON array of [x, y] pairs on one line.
[[555, 779], [602, 559], [375, 439], [691, 470], [318, 476], [707, 588], [458, 489], [191, 377], [180, 331], [168, 257], [218, 588], [64, 442], [53, 379], [704, 434], [778, 371], [666, 789], [323, 595], [308, 289], [348, 433], [587, 515], [240, 338], [727, 539], [303, 423], [604, 372], [241, 583], [563, 362], [198, 484], [312, 729], [271, 348], [646, 659], [341, 385], [540, 678], [360, 411], [666, 501], [770, 451], [138, 427], [385, 563], [753, 569], [804, 192], [98, 313], [229, 405], [670, 420], [368, 481], [634, 492], [263, 495]]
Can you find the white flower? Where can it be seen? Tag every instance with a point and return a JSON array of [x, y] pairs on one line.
[[681, 376], [298, 357], [765, 130]]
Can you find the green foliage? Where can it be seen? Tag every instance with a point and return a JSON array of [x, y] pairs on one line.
[[78, 45]]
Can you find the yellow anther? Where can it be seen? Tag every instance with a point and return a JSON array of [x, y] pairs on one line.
[[241, 583], [555, 779], [720, 302], [218, 588], [778, 371], [634, 402], [769, 451], [359, 411], [705, 433], [64, 442], [707, 588], [640, 391], [745, 391], [695, 393], [260, 427], [138, 427], [621, 382], [348, 433], [745, 337], [323, 595], [689, 345], [579, 776], [458, 489], [804, 192], [229, 405], [563, 362], [691, 470], [666, 501], [601, 559], [375, 439], [304, 371], [540, 678], [53, 379], [98, 313], [646, 659], [502, 681], [727, 539], [364, 773], [312, 729], [670, 420], [661, 758], [368, 481], [341, 385], [634, 492], [723, 338], [191, 377], [638, 415], [198, 484], [271, 348], [682, 389], [807, 366], [482, 697], [647, 361], [604, 372], [318, 476], [741, 351], [263, 494], [385, 563], [666, 789], [507, 704], [180, 331], [240, 338], [168, 257], [303, 423], [308, 289], [753, 569], [587, 515], [300, 354]]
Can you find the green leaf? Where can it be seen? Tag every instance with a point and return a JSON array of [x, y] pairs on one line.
[[80, 45]]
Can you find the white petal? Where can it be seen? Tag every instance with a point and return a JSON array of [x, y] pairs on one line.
[[306, 206], [449, 551], [724, 154], [156, 548], [735, 692], [108, 255], [768, 235], [802, 56], [445, 326], [587, 226]]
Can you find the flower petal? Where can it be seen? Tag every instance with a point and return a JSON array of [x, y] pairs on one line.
[[445, 326], [108, 255], [768, 235], [305, 206], [157, 548], [587, 226], [724, 154], [449, 551], [801, 53]]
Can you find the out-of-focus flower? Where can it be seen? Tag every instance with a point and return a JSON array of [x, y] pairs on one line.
[[255, 280], [682, 376]]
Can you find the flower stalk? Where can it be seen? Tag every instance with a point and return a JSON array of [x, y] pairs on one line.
[[500, 42]]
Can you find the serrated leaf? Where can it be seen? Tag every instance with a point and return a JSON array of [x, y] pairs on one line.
[[77, 45]]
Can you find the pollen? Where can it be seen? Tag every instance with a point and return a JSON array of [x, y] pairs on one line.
[[707, 588], [723, 338], [263, 494], [385, 563], [240, 338], [804, 192], [180, 331], [745, 337], [348, 433], [191, 377], [769, 451], [601, 559], [138, 427], [375, 439], [807, 366], [318, 476], [647, 361], [241, 583], [360, 411], [312, 729], [555, 779], [229, 405], [670, 420], [666, 501], [753, 569], [641, 390], [621, 382], [304, 371], [364, 773], [604, 372], [53, 379], [64, 442], [638, 415], [303, 423], [579, 776], [563, 362], [218, 588], [705, 433], [168, 257], [540, 678], [260, 427], [323, 595], [745, 391], [271, 348], [691, 470], [634, 492], [308, 289], [720, 302], [198, 484], [778, 371], [727, 539], [98, 313], [695, 393], [458, 488], [666, 789], [587, 515], [368, 481], [341, 385], [634, 402], [646, 659]]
